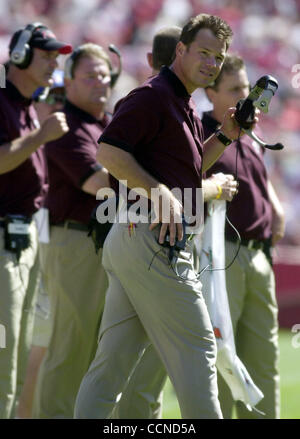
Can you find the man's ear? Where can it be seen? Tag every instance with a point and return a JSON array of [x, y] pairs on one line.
[[211, 94], [150, 59], [180, 48]]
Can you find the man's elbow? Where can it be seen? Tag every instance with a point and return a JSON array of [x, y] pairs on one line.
[[100, 156], [106, 155]]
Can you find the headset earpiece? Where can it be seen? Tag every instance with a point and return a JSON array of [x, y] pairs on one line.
[[68, 68], [21, 54], [114, 74]]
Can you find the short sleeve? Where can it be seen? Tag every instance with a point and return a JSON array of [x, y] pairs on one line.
[[136, 121], [75, 155], [4, 138]]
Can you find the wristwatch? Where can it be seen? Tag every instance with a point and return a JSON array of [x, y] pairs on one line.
[[222, 138]]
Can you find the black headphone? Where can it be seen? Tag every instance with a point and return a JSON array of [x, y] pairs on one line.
[[21, 54], [114, 73]]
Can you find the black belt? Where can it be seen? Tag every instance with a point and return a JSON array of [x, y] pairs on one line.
[[252, 244], [73, 225]]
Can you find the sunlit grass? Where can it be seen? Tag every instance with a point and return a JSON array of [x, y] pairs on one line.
[[289, 375]]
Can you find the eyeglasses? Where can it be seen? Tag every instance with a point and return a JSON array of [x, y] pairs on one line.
[[53, 99]]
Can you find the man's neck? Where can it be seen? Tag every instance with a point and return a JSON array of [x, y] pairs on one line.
[[25, 87], [216, 116], [176, 68], [96, 112]]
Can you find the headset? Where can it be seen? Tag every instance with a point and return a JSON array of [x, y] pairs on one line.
[[114, 73], [259, 97], [21, 54]]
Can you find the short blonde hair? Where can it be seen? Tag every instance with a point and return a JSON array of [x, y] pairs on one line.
[[85, 50]]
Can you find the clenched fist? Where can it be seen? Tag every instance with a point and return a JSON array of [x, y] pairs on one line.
[[53, 127]]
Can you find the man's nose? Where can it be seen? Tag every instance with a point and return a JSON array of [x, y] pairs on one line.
[[211, 61]]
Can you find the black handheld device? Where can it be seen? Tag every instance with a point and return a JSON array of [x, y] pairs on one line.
[[16, 234], [259, 97], [179, 245]]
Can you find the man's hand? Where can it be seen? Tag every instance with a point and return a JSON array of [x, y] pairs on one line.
[[224, 182], [168, 212], [53, 127], [231, 128]]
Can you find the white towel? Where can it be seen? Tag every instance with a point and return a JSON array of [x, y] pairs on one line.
[[214, 291]]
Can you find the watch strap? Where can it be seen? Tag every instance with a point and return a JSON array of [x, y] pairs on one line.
[[222, 138]]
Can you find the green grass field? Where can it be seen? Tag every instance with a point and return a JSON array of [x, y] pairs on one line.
[[289, 375]]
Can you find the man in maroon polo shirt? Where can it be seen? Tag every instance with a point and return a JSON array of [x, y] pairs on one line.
[[74, 277], [258, 216], [155, 142], [23, 187], [148, 391], [46, 101]]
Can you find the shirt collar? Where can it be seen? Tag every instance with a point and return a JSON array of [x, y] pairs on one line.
[[83, 115], [175, 82], [16, 95]]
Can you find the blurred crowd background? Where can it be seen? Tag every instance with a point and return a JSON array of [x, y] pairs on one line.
[[266, 34]]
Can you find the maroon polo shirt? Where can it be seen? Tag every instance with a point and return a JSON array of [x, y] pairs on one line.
[[71, 161], [250, 211], [22, 190], [157, 123]]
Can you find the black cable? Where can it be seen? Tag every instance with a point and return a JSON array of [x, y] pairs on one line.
[[197, 277], [227, 219], [235, 256], [155, 254]]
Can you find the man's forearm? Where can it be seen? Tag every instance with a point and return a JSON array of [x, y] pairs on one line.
[[12, 154], [123, 166], [277, 208], [96, 181], [212, 150]]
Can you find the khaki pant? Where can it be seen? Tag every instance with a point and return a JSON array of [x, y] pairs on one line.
[[252, 301], [18, 286], [143, 395], [148, 301], [76, 284], [42, 318]]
